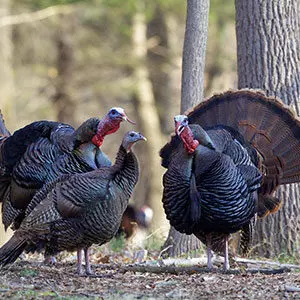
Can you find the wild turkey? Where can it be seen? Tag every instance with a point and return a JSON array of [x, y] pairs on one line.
[[79, 210], [223, 173], [133, 218], [43, 161]]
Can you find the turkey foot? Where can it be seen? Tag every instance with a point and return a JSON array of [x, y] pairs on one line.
[[49, 260]]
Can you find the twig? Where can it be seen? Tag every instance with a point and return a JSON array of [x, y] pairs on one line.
[[263, 262], [290, 288], [194, 270], [53, 289], [39, 15], [153, 233], [164, 250]]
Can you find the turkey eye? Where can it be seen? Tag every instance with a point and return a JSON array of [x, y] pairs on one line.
[[132, 134], [113, 112]]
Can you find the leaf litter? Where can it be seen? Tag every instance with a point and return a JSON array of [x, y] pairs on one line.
[[29, 278]]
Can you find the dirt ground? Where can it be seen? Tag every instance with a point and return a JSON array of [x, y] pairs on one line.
[[28, 279]]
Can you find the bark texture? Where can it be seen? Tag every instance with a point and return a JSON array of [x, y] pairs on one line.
[[64, 104], [149, 119], [164, 65], [191, 94], [194, 53], [6, 82], [268, 49]]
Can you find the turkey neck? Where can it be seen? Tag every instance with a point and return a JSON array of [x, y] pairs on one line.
[[123, 176], [87, 152], [126, 171]]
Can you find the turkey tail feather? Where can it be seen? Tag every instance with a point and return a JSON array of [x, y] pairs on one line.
[[267, 204], [246, 238], [265, 122], [10, 251]]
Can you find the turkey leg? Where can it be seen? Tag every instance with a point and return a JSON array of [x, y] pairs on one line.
[[226, 258], [88, 269], [209, 252]]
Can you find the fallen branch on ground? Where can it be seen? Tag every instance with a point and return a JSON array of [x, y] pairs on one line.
[[263, 262], [144, 268]]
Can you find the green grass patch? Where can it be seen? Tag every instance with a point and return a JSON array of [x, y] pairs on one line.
[[29, 273], [117, 244]]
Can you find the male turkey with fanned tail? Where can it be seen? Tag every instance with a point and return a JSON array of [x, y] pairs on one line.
[[228, 156], [42, 151], [76, 211]]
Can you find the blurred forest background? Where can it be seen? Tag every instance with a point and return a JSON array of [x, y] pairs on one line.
[[70, 60]]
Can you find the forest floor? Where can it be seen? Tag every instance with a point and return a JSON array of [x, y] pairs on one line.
[[30, 279]]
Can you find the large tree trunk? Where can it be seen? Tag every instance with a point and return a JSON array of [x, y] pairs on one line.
[[191, 94], [6, 83], [149, 119], [268, 41]]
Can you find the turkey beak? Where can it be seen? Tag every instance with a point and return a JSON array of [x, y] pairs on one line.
[[143, 138], [179, 129], [125, 118], [180, 124]]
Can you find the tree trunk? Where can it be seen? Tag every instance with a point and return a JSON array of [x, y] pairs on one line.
[[268, 42], [6, 83], [149, 120], [163, 67], [64, 104], [191, 94], [193, 61]]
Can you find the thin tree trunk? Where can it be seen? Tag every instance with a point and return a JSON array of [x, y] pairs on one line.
[[268, 42], [193, 61], [191, 94], [6, 83], [148, 117]]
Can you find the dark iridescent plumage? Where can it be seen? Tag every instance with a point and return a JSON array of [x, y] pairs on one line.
[[78, 210], [214, 192], [63, 151]]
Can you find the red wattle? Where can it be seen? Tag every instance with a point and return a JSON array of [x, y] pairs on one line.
[[192, 147], [97, 140], [188, 139], [113, 129]]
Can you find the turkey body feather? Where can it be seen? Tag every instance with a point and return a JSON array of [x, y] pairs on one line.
[[27, 157], [224, 188]]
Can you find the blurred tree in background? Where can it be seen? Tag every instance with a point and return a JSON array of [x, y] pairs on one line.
[[272, 64], [70, 60]]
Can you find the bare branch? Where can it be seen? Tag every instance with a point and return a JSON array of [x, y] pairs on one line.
[[30, 17], [143, 268]]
